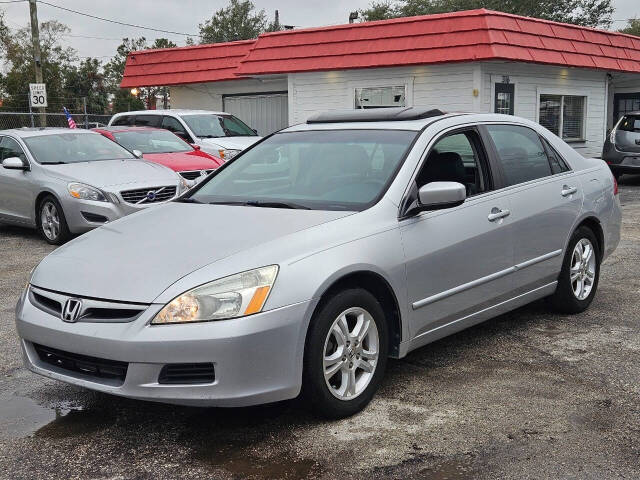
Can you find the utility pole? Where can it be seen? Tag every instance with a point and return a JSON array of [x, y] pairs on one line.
[[37, 60]]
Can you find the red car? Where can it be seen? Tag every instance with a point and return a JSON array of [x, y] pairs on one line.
[[164, 147]]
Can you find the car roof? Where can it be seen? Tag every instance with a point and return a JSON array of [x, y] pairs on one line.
[[124, 128], [26, 132], [635, 112], [173, 111]]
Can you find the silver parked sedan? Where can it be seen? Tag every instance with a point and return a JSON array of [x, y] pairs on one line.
[[301, 265], [66, 182]]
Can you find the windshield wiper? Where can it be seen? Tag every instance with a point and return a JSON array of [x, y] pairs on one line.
[[188, 200], [53, 163], [256, 203], [209, 136]]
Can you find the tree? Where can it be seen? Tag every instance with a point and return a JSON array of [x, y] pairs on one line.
[[238, 21], [590, 13], [114, 70], [18, 63], [633, 27], [87, 81]]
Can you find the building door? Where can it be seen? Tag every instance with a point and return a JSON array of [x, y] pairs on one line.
[[264, 112], [624, 103], [505, 98]]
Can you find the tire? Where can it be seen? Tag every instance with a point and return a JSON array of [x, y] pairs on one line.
[[565, 299], [331, 397], [52, 223]]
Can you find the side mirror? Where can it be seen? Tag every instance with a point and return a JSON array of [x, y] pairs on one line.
[[195, 147], [137, 153], [14, 163], [439, 195]]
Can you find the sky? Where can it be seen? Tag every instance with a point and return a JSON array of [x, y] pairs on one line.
[[185, 15]]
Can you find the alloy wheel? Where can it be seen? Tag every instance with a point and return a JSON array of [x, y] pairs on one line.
[[50, 221], [351, 353], [583, 269]]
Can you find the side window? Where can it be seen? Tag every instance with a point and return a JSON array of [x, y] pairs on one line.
[[123, 121], [558, 165], [147, 121], [520, 152], [10, 148], [456, 158]]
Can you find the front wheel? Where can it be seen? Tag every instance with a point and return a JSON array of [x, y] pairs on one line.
[[346, 354], [51, 222], [578, 280]]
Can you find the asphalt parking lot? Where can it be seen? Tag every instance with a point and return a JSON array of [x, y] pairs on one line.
[[526, 395]]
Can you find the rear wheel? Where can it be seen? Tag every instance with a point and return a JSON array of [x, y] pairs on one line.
[[346, 354], [578, 279], [51, 221]]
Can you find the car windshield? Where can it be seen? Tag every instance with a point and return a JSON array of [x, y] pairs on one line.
[[320, 170], [73, 148], [207, 125], [152, 141]]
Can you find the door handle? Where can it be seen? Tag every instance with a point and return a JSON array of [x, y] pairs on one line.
[[497, 214], [566, 190]]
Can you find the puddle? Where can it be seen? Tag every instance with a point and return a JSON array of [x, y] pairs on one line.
[[237, 461], [21, 416]]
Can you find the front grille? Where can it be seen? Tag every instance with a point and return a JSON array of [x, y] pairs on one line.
[[91, 310], [193, 174], [149, 195], [84, 364], [187, 373]]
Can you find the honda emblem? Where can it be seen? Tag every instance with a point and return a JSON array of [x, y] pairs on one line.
[[71, 310]]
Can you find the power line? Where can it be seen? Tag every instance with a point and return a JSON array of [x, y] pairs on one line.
[[13, 1], [115, 21], [89, 36]]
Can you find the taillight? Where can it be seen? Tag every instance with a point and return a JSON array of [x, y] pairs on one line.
[[615, 186]]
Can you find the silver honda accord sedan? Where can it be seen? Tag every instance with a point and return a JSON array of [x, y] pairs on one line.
[[65, 182], [316, 254]]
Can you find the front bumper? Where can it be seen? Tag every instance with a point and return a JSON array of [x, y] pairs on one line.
[[257, 359]]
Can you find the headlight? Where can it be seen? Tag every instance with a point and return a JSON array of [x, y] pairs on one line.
[[86, 192], [184, 185], [230, 297], [226, 154]]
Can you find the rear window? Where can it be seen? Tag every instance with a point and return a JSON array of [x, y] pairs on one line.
[[630, 123]]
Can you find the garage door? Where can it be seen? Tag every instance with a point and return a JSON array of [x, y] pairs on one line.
[[266, 112]]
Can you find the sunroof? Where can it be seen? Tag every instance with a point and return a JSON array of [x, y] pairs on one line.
[[375, 115]]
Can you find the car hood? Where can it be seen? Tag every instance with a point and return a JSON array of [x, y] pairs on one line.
[[109, 173], [231, 143], [139, 256], [184, 161]]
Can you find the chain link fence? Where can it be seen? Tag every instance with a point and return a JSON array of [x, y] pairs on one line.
[[16, 113]]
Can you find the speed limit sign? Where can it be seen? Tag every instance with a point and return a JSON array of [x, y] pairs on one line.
[[38, 94]]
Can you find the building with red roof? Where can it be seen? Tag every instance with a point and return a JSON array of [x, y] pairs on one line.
[[576, 81]]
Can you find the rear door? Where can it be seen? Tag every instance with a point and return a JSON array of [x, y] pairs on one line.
[[457, 258], [546, 198]]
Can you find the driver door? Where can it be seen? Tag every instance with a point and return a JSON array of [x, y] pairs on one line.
[[456, 258], [16, 195]]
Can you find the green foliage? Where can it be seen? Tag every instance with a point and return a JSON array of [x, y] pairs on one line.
[[633, 27], [591, 13], [237, 21]]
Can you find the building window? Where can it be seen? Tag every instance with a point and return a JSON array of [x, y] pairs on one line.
[[563, 115], [505, 98], [380, 97]]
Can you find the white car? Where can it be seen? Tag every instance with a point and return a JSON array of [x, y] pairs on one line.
[[218, 133]]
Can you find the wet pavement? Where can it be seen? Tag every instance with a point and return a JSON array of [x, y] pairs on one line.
[[526, 395]]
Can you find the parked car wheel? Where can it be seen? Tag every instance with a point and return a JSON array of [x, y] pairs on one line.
[[578, 280], [51, 221], [346, 354]]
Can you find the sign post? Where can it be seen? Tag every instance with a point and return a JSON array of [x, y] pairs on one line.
[[37, 95]]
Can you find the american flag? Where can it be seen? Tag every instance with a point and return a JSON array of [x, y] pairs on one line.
[[70, 121]]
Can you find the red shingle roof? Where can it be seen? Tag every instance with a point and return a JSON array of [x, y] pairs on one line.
[[451, 37], [174, 66]]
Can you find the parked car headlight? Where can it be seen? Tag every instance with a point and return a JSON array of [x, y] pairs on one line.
[[230, 297], [184, 185], [86, 192], [227, 154]]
